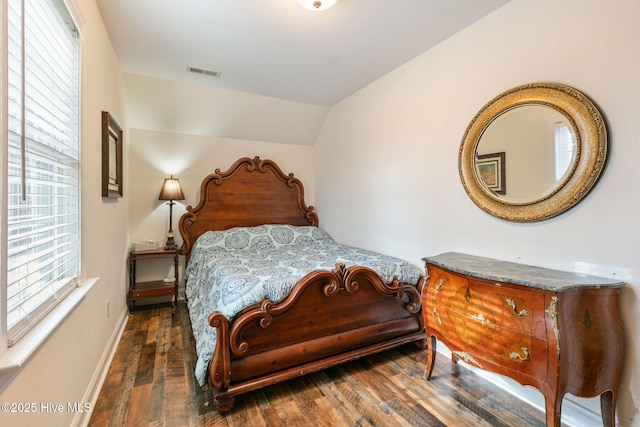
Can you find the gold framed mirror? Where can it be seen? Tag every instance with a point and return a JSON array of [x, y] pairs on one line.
[[533, 152]]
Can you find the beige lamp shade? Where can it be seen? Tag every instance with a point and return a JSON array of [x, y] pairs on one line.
[[171, 190]]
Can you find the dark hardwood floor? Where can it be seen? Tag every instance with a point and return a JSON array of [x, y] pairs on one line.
[[150, 382]]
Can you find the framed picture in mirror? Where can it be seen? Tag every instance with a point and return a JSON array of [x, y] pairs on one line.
[[491, 169]]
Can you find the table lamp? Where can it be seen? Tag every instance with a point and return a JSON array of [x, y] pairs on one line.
[[171, 191]]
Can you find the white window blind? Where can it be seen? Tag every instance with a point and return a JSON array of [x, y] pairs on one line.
[[42, 212]]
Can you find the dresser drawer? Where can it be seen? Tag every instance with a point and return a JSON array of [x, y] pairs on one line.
[[489, 304], [504, 325], [527, 357]]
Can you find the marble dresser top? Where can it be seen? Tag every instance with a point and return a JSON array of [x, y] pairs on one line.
[[527, 275]]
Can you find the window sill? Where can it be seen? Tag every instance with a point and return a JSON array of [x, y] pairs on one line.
[[13, 359]]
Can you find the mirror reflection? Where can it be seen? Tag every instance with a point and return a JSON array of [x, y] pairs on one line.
[[533, 152], [526, 153]]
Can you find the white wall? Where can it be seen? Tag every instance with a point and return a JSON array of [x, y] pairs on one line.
[[67, 368], [170, 106], [398, 141]]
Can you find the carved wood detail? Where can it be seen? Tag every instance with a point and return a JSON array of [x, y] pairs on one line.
[[340, 279]]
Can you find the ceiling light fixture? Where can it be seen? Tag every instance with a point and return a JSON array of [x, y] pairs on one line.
[[317, 4]]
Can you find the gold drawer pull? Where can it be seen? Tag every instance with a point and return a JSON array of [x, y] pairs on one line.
[[436, 316], [517, 356], [511, 303], [440, 284]]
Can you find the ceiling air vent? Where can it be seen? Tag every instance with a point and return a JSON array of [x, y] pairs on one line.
[[204, 71]]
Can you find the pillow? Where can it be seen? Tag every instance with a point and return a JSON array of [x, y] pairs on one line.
[[262, 237]]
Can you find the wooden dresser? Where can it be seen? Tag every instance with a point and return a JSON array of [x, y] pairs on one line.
[[557, 331]]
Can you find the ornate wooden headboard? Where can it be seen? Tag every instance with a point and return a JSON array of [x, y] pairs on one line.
[[252, 192]]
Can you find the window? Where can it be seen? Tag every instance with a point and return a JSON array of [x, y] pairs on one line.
[[563, 150], [42, 162]]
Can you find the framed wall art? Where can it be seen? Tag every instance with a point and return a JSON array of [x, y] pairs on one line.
[[111, 157]]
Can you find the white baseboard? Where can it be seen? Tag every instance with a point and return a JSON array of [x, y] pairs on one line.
[[574, 413], [100, 374]]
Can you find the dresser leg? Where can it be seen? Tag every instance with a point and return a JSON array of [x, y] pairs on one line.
[[553, 412], [431, 356], [608, 408]]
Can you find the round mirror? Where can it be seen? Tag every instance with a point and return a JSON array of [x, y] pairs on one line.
[[533, 152]]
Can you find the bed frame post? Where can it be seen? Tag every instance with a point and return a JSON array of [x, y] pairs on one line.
[[220, 375], [220, 365]]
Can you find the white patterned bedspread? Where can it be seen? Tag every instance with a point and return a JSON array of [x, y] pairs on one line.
[[232, 269]]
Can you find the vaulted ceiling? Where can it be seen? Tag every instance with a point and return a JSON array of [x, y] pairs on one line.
[[278, 49]]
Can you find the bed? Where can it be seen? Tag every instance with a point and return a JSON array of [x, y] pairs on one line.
[[335, 306]]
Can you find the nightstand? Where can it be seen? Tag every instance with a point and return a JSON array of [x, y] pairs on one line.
[[154, 288]]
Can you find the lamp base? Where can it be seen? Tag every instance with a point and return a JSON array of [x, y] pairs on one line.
[[171, 244]]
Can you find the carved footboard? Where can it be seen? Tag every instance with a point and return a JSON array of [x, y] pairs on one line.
[[330, 317]]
